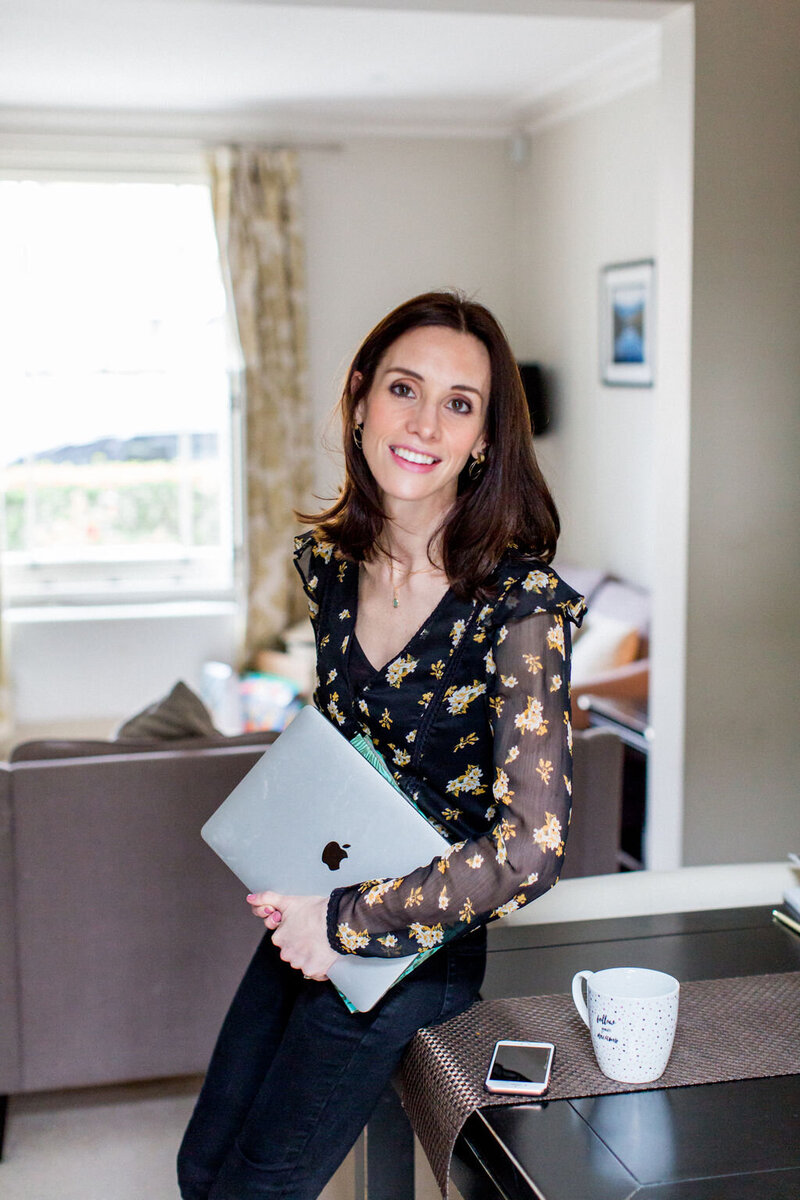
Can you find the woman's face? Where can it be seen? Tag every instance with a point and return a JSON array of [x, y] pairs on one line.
[[425, 414]]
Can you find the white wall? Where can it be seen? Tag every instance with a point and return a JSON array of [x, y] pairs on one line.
[[586, 198], [743, 647], [387, 219], [91, 669], [384, 219]]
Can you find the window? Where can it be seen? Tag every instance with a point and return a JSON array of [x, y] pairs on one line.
[[116, 447]]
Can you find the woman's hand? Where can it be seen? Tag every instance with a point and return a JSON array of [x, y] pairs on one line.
[[299, 928]]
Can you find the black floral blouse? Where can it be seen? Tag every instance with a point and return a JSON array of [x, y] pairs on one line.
[[473, 719]]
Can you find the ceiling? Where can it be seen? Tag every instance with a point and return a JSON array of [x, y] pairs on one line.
[[312, 66]]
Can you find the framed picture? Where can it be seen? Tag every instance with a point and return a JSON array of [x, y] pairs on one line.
[[627, 324]]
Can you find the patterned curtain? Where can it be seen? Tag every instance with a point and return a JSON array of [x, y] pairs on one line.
[[256, 208]]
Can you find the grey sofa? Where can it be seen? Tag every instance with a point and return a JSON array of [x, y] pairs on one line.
[[122, 936]]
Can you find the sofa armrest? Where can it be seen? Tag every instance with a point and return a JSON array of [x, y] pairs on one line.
[[9, 971], [628, 682]]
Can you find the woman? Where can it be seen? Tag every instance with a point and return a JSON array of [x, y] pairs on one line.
[[443, 635]]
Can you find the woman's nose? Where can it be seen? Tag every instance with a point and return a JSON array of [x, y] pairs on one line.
[[424, 420]]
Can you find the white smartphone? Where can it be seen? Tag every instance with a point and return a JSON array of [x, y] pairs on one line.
[[520, 1068]]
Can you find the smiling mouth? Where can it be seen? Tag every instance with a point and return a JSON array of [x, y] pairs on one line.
[[413, 456]]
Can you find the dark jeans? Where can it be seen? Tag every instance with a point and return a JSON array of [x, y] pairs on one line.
[[294, 1076]]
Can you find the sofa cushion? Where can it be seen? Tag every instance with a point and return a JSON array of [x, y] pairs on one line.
[[180, 714], [604, 643]]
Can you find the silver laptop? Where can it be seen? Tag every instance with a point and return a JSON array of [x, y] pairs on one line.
[[313, 815]]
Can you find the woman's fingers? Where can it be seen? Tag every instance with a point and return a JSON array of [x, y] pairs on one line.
[[267, 906]]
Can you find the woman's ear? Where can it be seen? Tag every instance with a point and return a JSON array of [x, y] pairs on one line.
[[355, 383]]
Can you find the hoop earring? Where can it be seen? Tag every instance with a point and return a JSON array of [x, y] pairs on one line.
[[476, 466], [358, 435]]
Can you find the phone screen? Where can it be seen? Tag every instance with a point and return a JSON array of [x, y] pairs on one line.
[[521, 1064]]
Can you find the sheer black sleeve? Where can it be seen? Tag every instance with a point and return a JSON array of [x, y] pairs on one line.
[[521, 854]]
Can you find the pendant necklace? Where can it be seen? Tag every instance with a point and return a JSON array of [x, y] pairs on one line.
[[396, 586]]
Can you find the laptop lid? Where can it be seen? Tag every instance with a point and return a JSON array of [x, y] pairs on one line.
[[312, 815]]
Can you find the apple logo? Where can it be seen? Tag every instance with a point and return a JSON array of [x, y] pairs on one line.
[[333, 854]]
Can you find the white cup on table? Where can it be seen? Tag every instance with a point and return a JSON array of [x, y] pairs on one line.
[[631, 1013]]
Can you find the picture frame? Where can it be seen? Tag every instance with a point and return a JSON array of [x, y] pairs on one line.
[[627, 324]]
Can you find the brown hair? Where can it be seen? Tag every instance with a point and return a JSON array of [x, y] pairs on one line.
[[508, 501]]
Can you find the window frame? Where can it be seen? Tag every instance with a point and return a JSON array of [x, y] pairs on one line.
[[36, 580]]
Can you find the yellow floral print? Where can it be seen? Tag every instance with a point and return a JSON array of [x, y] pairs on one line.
[[377, 892], [544, 770], [500, 787], [439, 702], [555, 637], [548, 836], [397, 670], [459, 699], [502, 833], [510, 907], [462, 743], [535, 580], [350, 939], [532, 719], [457, 632], [426, 936], [470, 781]]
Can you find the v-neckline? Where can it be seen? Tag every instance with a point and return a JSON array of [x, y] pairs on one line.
[[403, 649]]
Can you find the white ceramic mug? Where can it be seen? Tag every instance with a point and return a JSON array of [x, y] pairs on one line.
[[631, 1013]]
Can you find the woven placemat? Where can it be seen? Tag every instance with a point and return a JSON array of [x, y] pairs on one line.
[[742, 1028]]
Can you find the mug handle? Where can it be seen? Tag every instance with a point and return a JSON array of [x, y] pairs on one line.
[[577, 994]]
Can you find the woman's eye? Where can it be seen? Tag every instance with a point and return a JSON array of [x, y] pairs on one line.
[[401, 389], [459, 404]]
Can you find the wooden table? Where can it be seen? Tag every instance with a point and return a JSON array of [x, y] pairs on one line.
[[728, 1141]]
